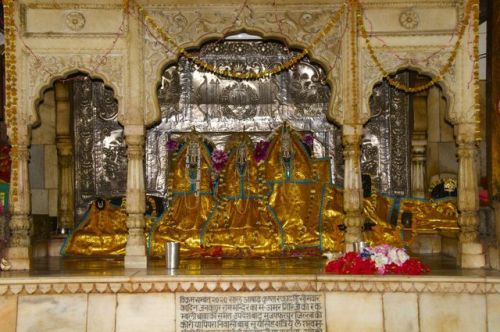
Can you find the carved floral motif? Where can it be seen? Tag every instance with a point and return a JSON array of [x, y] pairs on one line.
[[409, 19], [75, 21]]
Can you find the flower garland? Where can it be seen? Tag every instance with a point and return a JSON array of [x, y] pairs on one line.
[[236, 74], [308, 139], [477, 94], [172, 145], [354, 60], [260, 151], [11, 93], [219, 159], [382, 259], [442, 72]]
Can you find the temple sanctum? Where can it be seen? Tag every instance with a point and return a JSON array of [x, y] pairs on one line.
[[193, 165]]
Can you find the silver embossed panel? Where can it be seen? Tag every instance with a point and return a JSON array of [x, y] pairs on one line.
[[100, 152], [386, 141], [191, 97]]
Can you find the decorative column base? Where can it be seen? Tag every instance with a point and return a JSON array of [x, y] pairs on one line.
[[19, 251], [19, 258], [135, 257], [354, 231], [471, 256], [135, 262]]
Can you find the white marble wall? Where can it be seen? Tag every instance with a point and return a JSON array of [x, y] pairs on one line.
[[345, 311], [43, 160]]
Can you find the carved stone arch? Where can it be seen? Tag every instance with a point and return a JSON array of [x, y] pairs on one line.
[[42, 87], [154, 113], [196, 44], [369, 86]]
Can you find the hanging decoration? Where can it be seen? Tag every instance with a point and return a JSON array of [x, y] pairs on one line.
[[354, 60], [441, 73], [477, 95], [148, 19], [11, 94]]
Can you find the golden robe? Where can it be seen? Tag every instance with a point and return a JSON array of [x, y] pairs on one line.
[[192, 200], [241, 224]]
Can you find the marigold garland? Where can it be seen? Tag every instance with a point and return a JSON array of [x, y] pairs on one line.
[[354, 60], [11, 93], [441, 73], [240, 75], [477, 95]]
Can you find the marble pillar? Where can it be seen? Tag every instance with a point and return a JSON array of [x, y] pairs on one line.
[[64, 143], [470, 251], [65, 212], [135, 252], [418, 157], [353, 191], [19, 250]]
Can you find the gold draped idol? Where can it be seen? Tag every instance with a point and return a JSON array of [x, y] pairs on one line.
[[102, 231], [267, 199], [282, 205], [190, 186], [302, 197], [241, 224]]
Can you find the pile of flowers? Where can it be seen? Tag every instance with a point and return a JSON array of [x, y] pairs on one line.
[[382, 259]]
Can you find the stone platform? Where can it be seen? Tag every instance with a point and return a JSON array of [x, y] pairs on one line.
[[238, 294]]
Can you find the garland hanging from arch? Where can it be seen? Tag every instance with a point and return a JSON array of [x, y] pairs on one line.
[[11, 94], [234, 74], [441, 73]]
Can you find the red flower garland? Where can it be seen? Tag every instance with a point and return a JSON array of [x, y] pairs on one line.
[[351, 263], [354, 263]]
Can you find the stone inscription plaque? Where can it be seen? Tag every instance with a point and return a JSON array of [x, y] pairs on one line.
[[266, 311]]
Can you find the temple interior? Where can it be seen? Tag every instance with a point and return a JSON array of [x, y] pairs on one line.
[[264, 140]]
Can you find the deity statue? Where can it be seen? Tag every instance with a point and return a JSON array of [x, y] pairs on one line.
[[302, 196], [190, 195], [241, 223]]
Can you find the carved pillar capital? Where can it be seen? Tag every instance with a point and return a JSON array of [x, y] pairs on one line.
[[135, 146], [352, 146], [64, 146], [465, 133], [134, 141]]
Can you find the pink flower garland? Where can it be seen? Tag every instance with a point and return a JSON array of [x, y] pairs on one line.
[[260, 151], [219, 159], [172, 145]]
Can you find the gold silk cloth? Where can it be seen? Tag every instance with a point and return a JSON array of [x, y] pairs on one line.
[[302, 198], [192, 199], [102, 232], [438, 215], [241, 224], [377, 209], [284, 205]]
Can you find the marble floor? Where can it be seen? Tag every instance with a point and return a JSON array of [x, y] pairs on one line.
[[440, 265]]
